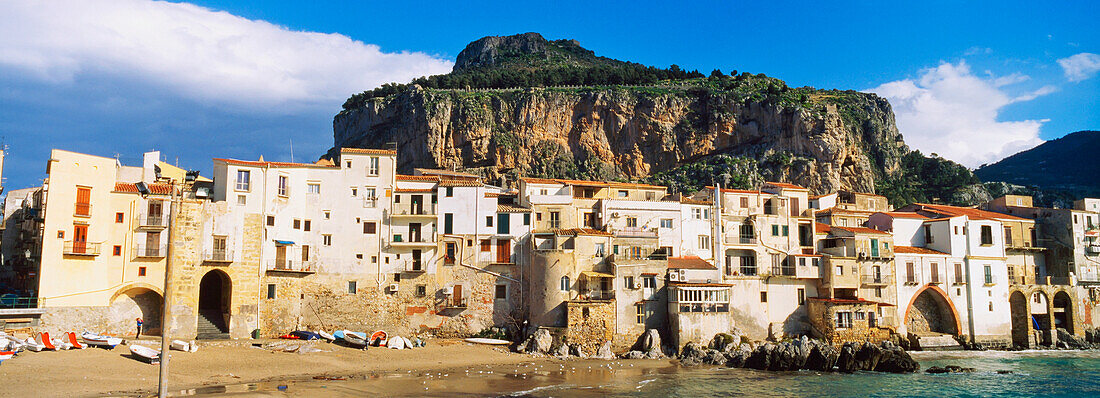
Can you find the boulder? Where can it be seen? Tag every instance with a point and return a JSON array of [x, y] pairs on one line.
[[650, 343], [605, 351], [1072, 341], [846, 360], [761, 357], [561, 351], [737, 358], [896, 360], [693, 354], [577, 350], [949, 369], [722, 341], [822, 357], [634, 355], [715, 357], [538, 343]]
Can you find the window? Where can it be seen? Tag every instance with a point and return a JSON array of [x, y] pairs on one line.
[[704, 242], [501, 292], [283, 190], [120, 218], [935, 271], [448, 223], [555, 220], [141, 271], [373, 259], [373, 166], [990, 306], [878, 292], [839, 270], [538, 216], [242, 200], [628, 282], [775, 229], [744, 202], [860, 316], [297, 224], [354, 192], [117, 250], [449, 257], [526, 218], [305, 253], [874, 247], [313, 188], [244, 180], [697, 213], [843, 320], [649, 282], [486, 245], [666, 223], [632, 222], [640, 308], [271, 221], [650, 196], [352, 288], [449, 192], [786, 230], [988, 275], [987, 235], [910, 276], [623, 194], [370, 227], [370, 193], [488, 221], [270, 291], [564, 284], [396, 198], [928, 234], [397, 277], [763, 297], [421, 290], [600, 249], [801, 296], [503, 224], [327, 239], [328, 215], [958, 273], [347, 164]]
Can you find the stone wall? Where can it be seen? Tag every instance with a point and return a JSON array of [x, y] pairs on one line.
[[590, 323], [823, 318]]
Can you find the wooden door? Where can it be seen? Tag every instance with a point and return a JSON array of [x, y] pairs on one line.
[[417, 255], [504, 251], [417, 204], [83, 198], [152, 243], [414, 232], [457, 296], [80, 239], [280, 257]]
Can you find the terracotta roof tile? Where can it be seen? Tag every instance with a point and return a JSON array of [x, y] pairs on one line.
[[727, 190], [636, 185], [690, 201], [460, 183], [443, 172], [581, 231], [270, 164], [154, 188], [970, 212], [785, 185], [406, 177], [507, 208], [916, 250], [904, 214], [689, 262], [862, 230], [367, 151], [822, 228], [414, 190]]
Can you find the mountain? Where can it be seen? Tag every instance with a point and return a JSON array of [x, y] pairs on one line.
[[1069, 163], [525, 106]]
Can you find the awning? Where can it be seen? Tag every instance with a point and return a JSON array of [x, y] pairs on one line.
[[284, 243], [1092, 233], [594, 274]]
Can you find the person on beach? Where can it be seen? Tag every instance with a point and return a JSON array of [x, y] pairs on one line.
[[138, 335]]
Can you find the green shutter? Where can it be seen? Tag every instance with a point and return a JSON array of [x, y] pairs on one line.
[[448, 223]]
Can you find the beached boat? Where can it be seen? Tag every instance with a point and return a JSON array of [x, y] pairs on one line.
[[305, 335], [45, 341], [145, 353], [378, 338], [180, 345], [70, 337], [481, 340], [62, 344], [6, 355], [99, 340], [326, 336], [396, 343], [33, 345], [355, 338]]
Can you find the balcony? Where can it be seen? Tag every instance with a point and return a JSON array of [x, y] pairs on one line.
[[218, 256], [635, 232], [143, 251], [1092, 249], [597, 295], [289, 266], [784, 270], [454, 303], [413, 241], [81, 248], [82, 210], [152, 221], [413, 211], [877, 280], [417, 267], [740, 240]]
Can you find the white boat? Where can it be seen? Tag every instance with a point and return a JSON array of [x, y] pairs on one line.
[[396, 343], [326, 336], [99, 340], [180, 345], [6, 355], [61, 344], [33, 345], [355, 339], [481, 340], [145, 353]]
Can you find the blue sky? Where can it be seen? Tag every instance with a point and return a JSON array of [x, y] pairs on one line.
[[973, 82]]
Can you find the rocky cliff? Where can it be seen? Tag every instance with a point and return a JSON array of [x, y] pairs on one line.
[[822, 139]]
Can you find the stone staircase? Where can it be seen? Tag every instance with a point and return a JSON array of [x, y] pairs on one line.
[[211, 326], [933, 342]]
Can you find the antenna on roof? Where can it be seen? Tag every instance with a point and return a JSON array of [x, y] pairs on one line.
[[291, 150]]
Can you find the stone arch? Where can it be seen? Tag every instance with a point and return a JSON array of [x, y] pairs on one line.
[[1063, 311], [1021, 319], [931, 311], [1040, 316], [138, 300], [215, 298]]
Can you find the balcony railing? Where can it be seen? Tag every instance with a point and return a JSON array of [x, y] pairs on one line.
[[741, 240], [404, 239], [410, 210], [784, 270], [81, 248], [748, 270], [289, 265], [636, 232], [152, 221], [82, 210], [218, 256], [598, 295], [1092, 249], [418, 266], [882, 279], [143, 251], [18, 302], [455, 303]]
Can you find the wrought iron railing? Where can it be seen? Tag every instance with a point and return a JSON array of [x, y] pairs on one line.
[[218, 256], [150, 251], [81, 248]]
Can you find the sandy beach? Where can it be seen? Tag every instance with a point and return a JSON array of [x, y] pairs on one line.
[[99, 372]]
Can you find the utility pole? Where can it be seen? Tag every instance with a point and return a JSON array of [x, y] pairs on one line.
[[173, 210]]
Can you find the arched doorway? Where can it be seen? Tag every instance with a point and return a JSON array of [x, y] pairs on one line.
[[1040, 317], [1021, 320], [131, 303], [1063, 312], [931, 313], [214, 300]]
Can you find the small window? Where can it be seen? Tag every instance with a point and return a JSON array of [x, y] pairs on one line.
[[328, 214], [244, 181], [564, 284], [628, 282], [650, 196], [270, 291], [60, 234], [352, 287], [271, 221], [449, 192], [283, 189], [623, 194], [355, 192], [744, 202], [297, 224], [775, 229], [990, 306], [801, 296], [373, 166], [373, 259], [313, 188], [397, 277], [704, 242], [488, 221], [763, 297], [359, 256], [666, 223], [141, 271], [786, 230], [988, 275], [987, 235], [242, 200], [486, 245], [307, 225], [396, 198], [501, 292], [538, 216], [421, 290], [843, 320], [632, 222], [370, 227], [120, 218], [327, 240], [347, 164], [526, 218], [117, 250]]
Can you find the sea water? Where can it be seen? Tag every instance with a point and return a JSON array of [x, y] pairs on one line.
[[996, 374]]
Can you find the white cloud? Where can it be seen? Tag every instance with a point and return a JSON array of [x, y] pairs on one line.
[[195, 52], [950, 111], [1080, 66]]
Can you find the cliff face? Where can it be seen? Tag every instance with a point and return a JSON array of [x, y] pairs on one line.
[[824, 140]]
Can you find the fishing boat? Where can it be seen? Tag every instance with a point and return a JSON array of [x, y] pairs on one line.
[[481, 340], [305, 335], [325, 336], [145, 353], [6, 355], [355, 339], [99, 340], [378, 338]]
